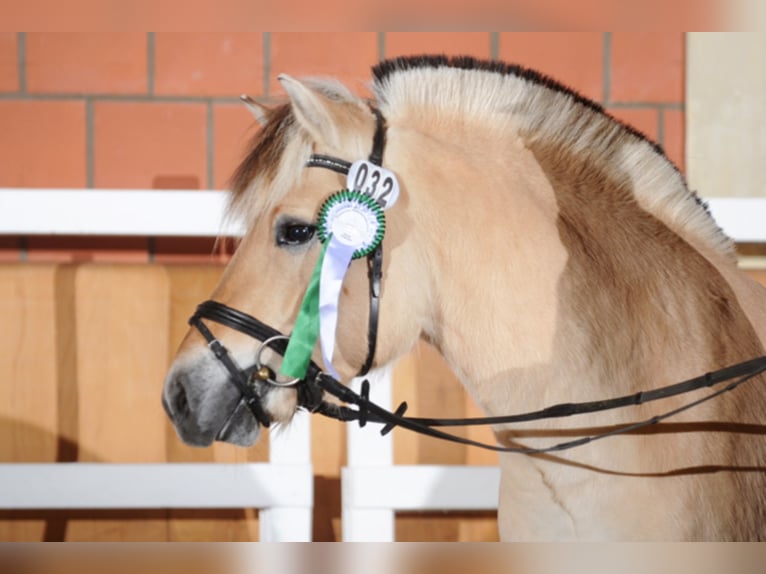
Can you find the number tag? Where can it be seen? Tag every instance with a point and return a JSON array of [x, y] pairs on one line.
[[374, 181]]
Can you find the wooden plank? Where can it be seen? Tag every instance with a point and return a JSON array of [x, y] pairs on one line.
[[405, 384], [122, 353], [446, 527], [440, 394], [328, 446], [28, 382], [478, 527], [219, 525], [121, 333], [66, 364], [27, 364]]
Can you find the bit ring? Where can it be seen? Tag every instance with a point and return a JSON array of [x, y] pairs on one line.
[[258, 365]]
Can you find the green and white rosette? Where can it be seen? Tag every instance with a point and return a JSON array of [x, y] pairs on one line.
[[350, 225]]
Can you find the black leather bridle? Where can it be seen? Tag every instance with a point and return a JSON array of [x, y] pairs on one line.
[[220, 313], [253, 381]]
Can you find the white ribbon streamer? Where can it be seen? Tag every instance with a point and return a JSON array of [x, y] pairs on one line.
[[334, 266]]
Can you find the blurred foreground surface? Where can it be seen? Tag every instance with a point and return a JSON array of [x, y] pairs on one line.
[[378, 558]]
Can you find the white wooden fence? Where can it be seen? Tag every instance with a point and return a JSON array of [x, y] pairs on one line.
[[281, 489], [373, 488]]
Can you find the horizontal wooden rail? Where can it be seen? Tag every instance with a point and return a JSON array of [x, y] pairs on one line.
[[200, 213], [120, 212], [168, 485]]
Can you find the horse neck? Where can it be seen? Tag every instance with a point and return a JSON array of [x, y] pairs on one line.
[[544, 276]]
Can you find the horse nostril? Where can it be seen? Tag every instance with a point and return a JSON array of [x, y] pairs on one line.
[[178, 407], [180, 402]]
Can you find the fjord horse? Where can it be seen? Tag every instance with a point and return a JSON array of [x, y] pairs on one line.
[[550, 253]]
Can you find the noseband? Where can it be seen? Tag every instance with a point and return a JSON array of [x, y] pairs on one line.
[[255, 381]]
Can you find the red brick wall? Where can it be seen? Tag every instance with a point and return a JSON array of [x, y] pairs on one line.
[[160, 110]]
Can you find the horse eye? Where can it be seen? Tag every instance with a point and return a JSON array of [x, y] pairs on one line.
[[295, 233]]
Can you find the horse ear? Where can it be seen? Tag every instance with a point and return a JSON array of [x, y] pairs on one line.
[[259, 111], [317, 113]]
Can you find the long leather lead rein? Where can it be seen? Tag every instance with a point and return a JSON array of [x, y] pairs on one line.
[[368, 411]]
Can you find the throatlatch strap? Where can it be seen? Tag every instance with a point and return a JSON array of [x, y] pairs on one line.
[[375, 259], [375, 273]]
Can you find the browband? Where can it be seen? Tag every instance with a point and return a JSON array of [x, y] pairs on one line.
[[329, 162]]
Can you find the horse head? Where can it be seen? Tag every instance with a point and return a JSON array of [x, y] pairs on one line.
[[279, 199]]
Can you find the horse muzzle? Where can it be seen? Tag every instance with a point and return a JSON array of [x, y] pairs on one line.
[[204, 407]]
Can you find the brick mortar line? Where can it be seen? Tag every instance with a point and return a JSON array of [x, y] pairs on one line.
[[266, 63], [494, 45], [210, 143], [607, 63], [128, 98], [381, 46], [661, 128], [89, 144], [21, 60], [659, 106], [150, 63]]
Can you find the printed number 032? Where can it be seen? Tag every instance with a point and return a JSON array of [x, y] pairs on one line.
[[374, 181]]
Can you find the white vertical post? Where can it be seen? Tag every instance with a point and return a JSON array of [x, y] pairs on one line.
[[366, 448], [289, 445], [285, 524]]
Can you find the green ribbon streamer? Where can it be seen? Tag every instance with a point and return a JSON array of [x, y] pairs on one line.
[[306, 331]]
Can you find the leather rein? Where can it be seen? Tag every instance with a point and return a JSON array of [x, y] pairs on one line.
[[253, 382]]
